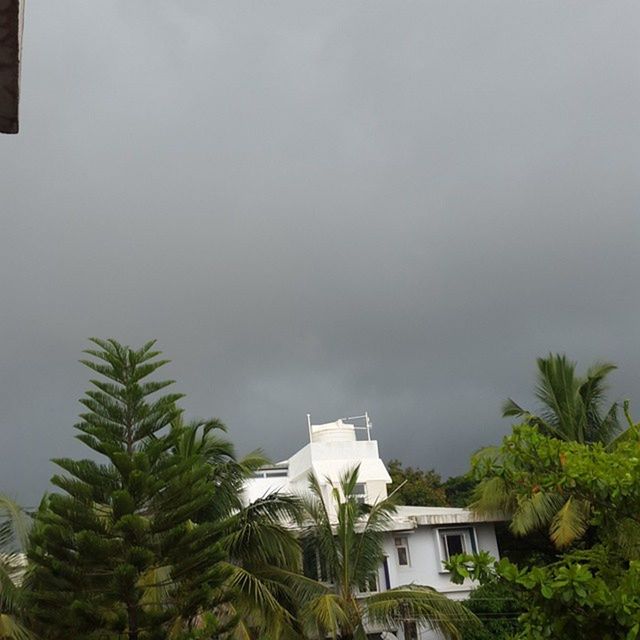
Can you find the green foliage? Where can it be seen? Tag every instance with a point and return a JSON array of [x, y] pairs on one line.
[[533, 549], [149, 540], [122, 550], [459, 490], [14, 524], [262, 554], [571, 406], [587, 496], [564, 486], [498, 605], [415, 486], [426, 489], [265, 562], [348, 538], [588, 594]]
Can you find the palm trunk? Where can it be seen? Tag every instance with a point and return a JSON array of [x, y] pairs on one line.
[[132, 614]]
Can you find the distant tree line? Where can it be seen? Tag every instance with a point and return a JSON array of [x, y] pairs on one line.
[[418, 487]]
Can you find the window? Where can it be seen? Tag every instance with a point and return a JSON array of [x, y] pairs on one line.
[[360, 492], [270, 473], [455, 541], [402, 551], [276, 473]]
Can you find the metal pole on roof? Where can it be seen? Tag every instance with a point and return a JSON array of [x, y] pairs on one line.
[[368, 423], [309, 427]]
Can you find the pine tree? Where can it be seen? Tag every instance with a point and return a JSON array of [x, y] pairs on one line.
[[116, 553]]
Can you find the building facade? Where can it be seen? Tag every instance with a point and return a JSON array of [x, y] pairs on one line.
[[419, 539]]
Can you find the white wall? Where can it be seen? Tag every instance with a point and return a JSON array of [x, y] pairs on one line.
[[425, 561], [425, 564], [256, 488]]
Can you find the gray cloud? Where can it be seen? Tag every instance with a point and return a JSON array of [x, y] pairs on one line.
[[322, 207]]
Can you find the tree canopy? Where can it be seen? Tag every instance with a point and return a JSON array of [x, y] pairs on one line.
[[117, 550], [413, 486], [591, 590], [571, 407]]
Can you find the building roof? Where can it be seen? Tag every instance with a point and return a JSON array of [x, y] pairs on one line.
[[410, 517]]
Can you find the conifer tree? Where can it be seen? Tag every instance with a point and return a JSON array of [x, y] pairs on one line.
[[116, 553]]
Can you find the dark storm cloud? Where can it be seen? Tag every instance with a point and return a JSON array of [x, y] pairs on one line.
[[323, 207]]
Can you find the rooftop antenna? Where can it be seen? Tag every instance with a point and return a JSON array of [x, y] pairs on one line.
[[367, 423], [309, 427]]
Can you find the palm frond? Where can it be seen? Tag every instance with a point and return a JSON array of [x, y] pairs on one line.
[[253, 461], [592, 391], [348, 481], [510, 409], [630, 434], [274, 507], [156, 584], [241, 631], [9, 591], [421, 604], [569, 522], [12, 599], [256, 591], [368, 552], [594, 383], [255, 541], [317, 526], [314, 486], [535, 512], [305, 589], [605, 429], [327, 614], [570, 406], [12, 629], [557, 390], [16, 531], [492, 496]]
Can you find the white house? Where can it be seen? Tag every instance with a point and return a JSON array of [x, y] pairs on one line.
[[419, 539]]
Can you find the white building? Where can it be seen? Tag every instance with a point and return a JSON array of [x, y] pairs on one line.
[[419, 540]]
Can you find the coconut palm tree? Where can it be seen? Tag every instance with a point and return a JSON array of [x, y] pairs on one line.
[[263, 559], [571, 406], [13, 536], [347, 537], [572, 409]]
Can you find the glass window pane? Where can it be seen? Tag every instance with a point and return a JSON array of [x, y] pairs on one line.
[[455, 544]]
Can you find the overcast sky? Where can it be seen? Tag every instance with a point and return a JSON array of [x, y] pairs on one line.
[[323, 207]]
